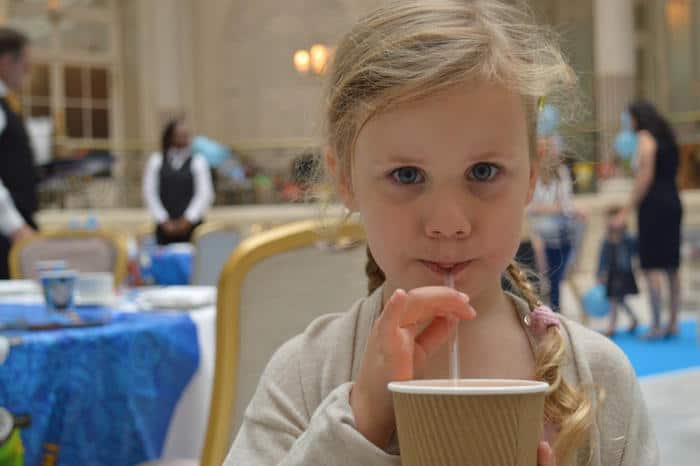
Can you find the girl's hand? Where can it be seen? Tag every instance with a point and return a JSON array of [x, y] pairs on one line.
[[545, 455], [409, 330]]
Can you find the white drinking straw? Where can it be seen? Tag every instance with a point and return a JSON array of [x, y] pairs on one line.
[[454, 337]]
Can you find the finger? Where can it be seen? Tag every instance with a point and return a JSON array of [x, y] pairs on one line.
[[424, 304], [545, 455], [436, 334], [394, 309]]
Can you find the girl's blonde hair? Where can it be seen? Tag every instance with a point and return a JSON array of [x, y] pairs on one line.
[[414, 48]]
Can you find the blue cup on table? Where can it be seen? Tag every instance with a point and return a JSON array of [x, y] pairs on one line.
[[59, 289]]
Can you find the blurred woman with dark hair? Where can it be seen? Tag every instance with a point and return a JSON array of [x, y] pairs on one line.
[[659, 211], [177, 186]]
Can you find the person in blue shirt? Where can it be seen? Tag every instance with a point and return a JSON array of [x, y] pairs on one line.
[[615, 270]]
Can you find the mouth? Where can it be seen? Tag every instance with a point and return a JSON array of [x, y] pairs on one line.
[[446, 268]]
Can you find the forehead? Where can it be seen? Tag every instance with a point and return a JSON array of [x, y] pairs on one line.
[[470, 117]]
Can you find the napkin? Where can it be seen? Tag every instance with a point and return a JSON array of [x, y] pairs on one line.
[[177, 297]]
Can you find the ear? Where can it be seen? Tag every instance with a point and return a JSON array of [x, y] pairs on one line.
[[341, 180]]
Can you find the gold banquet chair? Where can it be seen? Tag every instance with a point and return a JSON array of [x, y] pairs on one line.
[[83, 250], [271, 288], [213, 244]]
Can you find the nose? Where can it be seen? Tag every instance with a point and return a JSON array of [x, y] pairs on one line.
[[447, 217]]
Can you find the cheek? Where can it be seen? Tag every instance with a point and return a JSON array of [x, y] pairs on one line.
[[501, 231], [388, 228], [386, 225], [384, 242]]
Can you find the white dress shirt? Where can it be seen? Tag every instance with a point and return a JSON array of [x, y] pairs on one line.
[[10, 218], [203, 191]]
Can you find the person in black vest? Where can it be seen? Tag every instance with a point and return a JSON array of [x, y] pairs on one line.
[[177, 186], [18, 178]]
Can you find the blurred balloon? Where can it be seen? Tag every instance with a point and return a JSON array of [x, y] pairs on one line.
[[626, 140], [595, 301], [626, 121], [548, 121], [214, 152], [626, 144]]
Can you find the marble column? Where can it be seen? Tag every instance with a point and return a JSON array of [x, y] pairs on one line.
[[615, 67]]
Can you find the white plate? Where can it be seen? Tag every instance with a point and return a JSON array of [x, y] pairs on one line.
[[105, 301], [19, 287], [178, 297]]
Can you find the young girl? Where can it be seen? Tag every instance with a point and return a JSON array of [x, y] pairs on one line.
[[431, 136], [615, 270]]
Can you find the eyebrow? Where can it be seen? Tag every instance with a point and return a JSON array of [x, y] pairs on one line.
[[415, 160], [405, 159]]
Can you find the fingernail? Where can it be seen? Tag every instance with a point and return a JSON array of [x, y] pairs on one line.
[[392, 298], [464, 297]]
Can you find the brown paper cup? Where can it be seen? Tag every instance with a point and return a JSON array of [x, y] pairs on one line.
[[469, 422]]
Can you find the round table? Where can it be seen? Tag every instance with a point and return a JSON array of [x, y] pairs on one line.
[[130, 390]]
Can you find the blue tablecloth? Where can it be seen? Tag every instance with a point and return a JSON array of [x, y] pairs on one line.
[[168, 267], [103, 395]]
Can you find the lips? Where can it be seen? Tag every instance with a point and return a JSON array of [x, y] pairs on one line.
[[445, 268]]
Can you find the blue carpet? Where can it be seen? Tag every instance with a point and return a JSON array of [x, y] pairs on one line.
[[654, 357]]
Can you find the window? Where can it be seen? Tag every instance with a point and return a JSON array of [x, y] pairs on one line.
[[74, 60], [87, 102], [36, 92]]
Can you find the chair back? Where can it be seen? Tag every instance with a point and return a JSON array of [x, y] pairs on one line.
[[213, 244], [145, 235], [82, 250], [273, 285]]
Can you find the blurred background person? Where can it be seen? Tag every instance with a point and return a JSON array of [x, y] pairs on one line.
[[615, 270], [659, 211], [552, 217], [177, 186], [18, 178]]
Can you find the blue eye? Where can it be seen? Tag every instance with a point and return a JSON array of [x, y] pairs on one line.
[[407, 175], [484, 172]]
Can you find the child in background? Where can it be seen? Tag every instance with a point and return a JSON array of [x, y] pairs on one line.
[[431, 136], [615, 270]]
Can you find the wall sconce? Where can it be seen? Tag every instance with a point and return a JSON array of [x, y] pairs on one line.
[[316, 59], [302, 61], [677, 13]]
